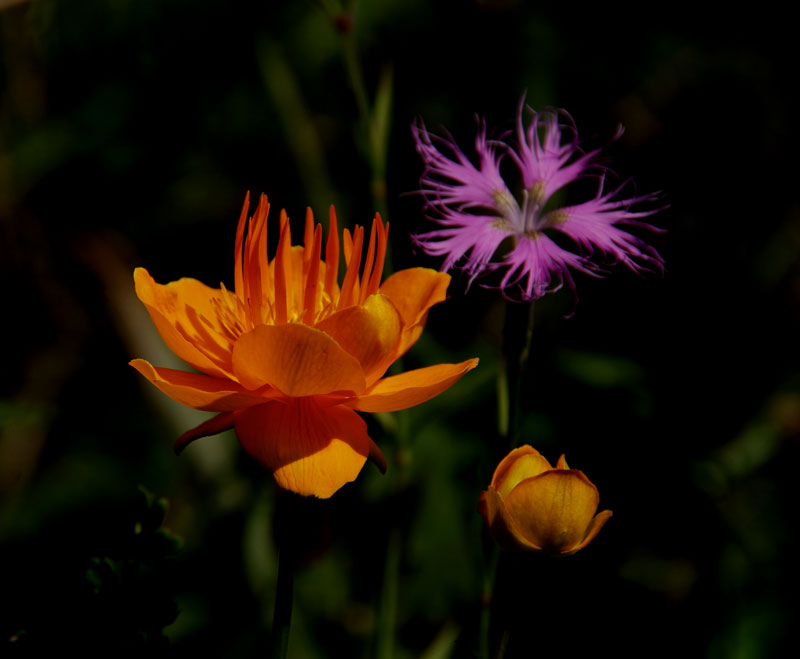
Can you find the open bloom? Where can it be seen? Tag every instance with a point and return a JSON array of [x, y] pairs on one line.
[[531, 506], [477, 211], [288, 355]]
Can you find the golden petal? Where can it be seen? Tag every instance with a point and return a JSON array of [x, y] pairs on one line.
[[597, 523], [413, 292], [521, 463], [202, 392], [554, 509], [501, 526], [370, 333], [400, 392], [176, 305], [311, 450]]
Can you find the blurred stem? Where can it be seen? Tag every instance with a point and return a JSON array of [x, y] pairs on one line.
[[284, 595], [500, 650], [508, 582], [387, 617], [353, 67], [372, 118], [486, 600], [373, 114], [298, 126], [517, 332], [398, 474]]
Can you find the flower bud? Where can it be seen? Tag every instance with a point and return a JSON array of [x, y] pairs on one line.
[[531, 506]]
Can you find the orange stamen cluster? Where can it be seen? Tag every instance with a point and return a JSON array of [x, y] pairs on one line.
[[297, 285]]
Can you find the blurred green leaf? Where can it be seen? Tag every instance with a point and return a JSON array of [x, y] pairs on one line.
[[673, 577], [382, 117], [599, 370], [132, 602], [752, 449], [298, 127], [443, 645]]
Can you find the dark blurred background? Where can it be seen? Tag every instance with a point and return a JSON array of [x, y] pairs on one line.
[[130, 131]]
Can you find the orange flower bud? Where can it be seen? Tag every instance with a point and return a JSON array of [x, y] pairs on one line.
[[531, 506]]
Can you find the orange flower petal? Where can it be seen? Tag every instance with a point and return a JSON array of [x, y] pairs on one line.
[[554, 509], [371, 333], [202, 392], [521, 463], [399, 392], [168, 305], [214, 426], [594, 528], [376, 456], [501, 527], [413, 292], [311, 450], [295, 359]]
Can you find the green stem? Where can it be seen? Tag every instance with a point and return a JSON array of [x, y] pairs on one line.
[[282, 619], [373, 114], [500, 650], [503, 605], [486, 600], [354, 74], [387, 619], [517, 333], [302, 138]]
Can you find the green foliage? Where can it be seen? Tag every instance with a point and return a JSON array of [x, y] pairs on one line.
[[121, 600], [131, 602]]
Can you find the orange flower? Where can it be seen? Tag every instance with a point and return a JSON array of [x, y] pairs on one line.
[[530, 506], [289, 354]]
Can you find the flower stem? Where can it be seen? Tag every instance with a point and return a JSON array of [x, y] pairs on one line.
[[490, 571], [374, 113], [500, 650], [502, 606], [282, 619], [517, 333], [373, 116], [387, 617]]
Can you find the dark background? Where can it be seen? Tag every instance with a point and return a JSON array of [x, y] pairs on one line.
[[129, 134]]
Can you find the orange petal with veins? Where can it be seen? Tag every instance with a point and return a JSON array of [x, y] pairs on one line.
[[553, 510], [594, 528], [295, 359], [311, 450], [167, 305], [370, 333], [202, 392], [521, 463], [399, 392], [413, 292], [501, 526]]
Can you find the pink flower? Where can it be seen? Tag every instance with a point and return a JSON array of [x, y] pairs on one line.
[[477, 212]]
